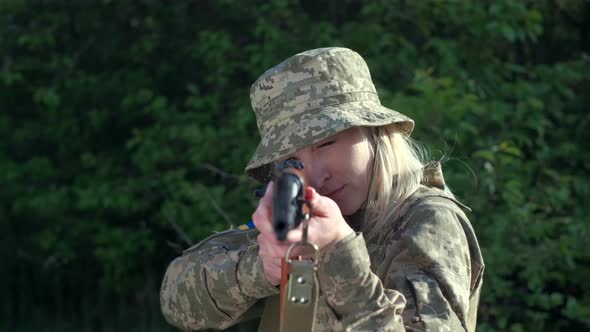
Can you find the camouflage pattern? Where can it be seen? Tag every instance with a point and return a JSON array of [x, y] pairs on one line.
[[215, 282], [422, 274], [312, 96], [431, 255]]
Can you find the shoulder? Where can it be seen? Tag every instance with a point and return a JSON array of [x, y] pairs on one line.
[[433, 219], [434, 197], [429, 205], [231, 239], [430, 215]]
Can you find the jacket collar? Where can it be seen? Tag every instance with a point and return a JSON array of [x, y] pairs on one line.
[[432, 175]]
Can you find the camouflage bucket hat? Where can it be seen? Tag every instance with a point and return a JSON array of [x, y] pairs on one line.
[[309, 97]]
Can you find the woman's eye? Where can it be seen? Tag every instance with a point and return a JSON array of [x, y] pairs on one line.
[[325, 144]]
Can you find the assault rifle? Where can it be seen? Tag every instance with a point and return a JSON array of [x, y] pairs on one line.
[[289, 205], [299, 282]]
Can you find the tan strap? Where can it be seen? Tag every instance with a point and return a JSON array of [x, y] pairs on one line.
[[299, 296]]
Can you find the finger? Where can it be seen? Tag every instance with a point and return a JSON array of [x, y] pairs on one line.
[[309, 191], [276, 253], [268, 195], [262, 217], [295, 235], [268, 240], [270, 246]]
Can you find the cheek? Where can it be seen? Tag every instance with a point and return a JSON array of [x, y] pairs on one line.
[[360, 164]]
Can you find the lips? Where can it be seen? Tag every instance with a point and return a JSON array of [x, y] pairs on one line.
[[334, 193]]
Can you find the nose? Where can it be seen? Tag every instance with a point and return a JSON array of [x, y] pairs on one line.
[[317, 173]]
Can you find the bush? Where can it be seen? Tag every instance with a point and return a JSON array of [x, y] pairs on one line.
[[126, 126]]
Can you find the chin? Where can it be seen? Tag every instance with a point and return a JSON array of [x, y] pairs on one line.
[[346, 209]]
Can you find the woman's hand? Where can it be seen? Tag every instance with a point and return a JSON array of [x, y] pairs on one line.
[[326, 227]]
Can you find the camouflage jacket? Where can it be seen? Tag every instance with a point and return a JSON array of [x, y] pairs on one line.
[[423, 274]]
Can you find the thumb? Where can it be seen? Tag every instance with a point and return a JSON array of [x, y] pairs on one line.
[[320, 205], [268, 194]]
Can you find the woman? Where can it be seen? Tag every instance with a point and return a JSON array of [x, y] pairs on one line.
[[397, 251]]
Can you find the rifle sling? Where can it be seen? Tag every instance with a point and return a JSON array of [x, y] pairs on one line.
[[299, 295]]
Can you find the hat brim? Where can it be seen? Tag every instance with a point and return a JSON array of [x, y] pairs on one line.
[[312, 126]]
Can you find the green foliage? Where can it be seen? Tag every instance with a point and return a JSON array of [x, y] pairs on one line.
[[126, 126]]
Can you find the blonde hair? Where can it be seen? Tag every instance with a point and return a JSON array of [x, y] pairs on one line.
[[397, 173]]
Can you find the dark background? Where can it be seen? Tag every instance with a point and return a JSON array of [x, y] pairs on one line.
[[125, 127]]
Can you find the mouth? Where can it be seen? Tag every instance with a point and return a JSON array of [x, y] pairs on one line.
[[335, 193]]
